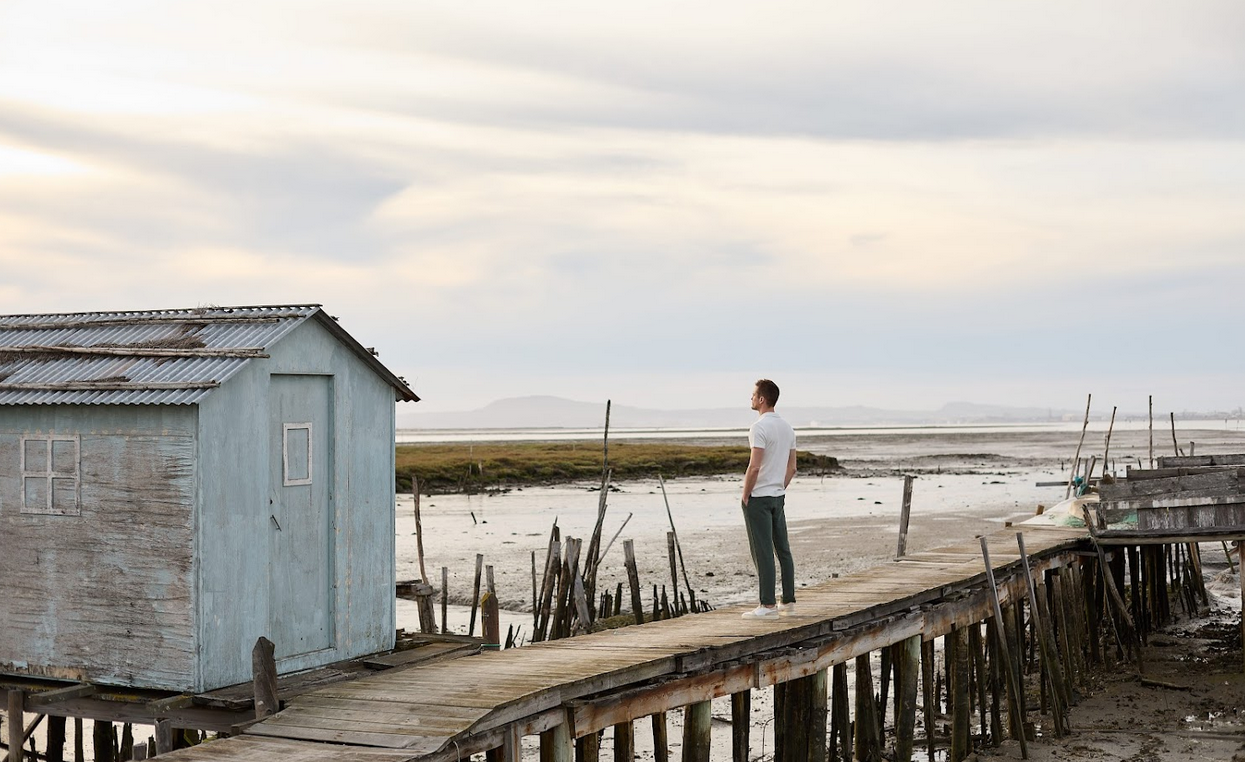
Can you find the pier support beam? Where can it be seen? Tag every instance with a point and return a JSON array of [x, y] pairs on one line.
[[905, 697], [661, 743], [868, 738], [696, 725], [624, 742], [556, 746], [14, 719], [741, 725]]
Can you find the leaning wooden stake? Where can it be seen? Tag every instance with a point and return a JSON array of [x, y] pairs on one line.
[[1077, 457], [691, 594], [1050, 659], [1132, 642], [475, 593], [1107, 448], [1013, 686], [904, 511], [1175, 447]]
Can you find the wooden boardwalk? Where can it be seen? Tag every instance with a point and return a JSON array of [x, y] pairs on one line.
[[447, 710]]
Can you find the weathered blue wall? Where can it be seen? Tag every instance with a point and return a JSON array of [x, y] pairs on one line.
[[234, 524], [104, 596]]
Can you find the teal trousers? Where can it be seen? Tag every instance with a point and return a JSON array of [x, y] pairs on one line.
[[767, 536]]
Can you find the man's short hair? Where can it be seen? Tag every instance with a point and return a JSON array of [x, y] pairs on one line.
[[768, 390]]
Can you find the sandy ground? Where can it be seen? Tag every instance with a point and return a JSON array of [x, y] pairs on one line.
[[967, 484]]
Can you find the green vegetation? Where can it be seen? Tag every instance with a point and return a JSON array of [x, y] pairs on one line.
[[477, 467]]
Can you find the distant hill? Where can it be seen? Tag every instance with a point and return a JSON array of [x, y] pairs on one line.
[[556, 412]]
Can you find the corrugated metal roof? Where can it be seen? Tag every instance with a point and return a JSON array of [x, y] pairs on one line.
[[159, 357]]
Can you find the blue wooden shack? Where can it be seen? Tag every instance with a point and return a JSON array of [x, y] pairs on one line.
[[175, 484]]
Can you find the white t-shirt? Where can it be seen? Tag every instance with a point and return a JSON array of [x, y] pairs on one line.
[[771, 433]]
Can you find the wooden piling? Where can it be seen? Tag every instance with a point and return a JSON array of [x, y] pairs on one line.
[[556, 745], [15, 720], [445, 601], [633, 581], [102, 740], [491, 615], [624, 742], [1050, 660], [868, 739], [587, 748], [905, 698], [696, 731], [741, 725], [56, 739], [976, 650], [840, 712], [959, 694], [996, 681], [674, 571], [661, 743], [1014, 694], [928, 695]]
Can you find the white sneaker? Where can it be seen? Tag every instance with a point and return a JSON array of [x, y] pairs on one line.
[[786, 609], [761, 612]]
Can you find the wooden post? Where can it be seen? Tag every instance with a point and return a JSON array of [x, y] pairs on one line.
[[1175, 447], [904, 511], [674, 572], [1077, 457], [1013, 683], [588, 748], [164, 737], [1050, 660], [691, 593], [624, 742], [996, 681], [1107, 448], [741, 725], [928, 697], [556, 745], [1151, 431], [102, 740], [264, 678], [696, 731], [475, 594], [511, 745], [817, 721], [840, 712], [977, 652], [959, 693], [867, 740], [445, 600], [492, 621], [633, 581], [56, 739], [419, 531], [905, 698], [661, 743], [79, 743], [16, 719]]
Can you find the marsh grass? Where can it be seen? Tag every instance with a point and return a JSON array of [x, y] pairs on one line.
[[444, 468]]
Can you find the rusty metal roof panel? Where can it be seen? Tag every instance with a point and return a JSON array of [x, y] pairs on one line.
[[162, 357]]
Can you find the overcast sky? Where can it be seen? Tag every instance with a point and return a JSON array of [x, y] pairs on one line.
[[891, 204]]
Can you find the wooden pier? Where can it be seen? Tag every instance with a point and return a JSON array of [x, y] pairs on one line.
[[570, 689]]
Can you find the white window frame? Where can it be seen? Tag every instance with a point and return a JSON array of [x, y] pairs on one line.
[[49, 474], [285, 454]]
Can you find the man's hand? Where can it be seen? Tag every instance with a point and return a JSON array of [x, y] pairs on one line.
[[754, 470]]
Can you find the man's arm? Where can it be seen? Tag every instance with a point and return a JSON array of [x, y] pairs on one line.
[[790, 470], [754, 470]]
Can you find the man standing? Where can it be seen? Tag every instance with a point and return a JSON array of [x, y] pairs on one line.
[[770, 469]]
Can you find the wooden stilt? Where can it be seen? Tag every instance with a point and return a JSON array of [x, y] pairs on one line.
[[867, 741], [101, 740], [741, 725], [556, 744], [475, 593], [79, 744], [840, 711], [633, 581], [661, 743], [928, 700], [996, 682], [977, 651], [56, 739], [696, 735], [511, 747], [624, 742], [884, 689], [15, 722], [588, 748], [818, 688], [780, 723], [1050, 659], [905, 698], [959, 695], [1014, 694]]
